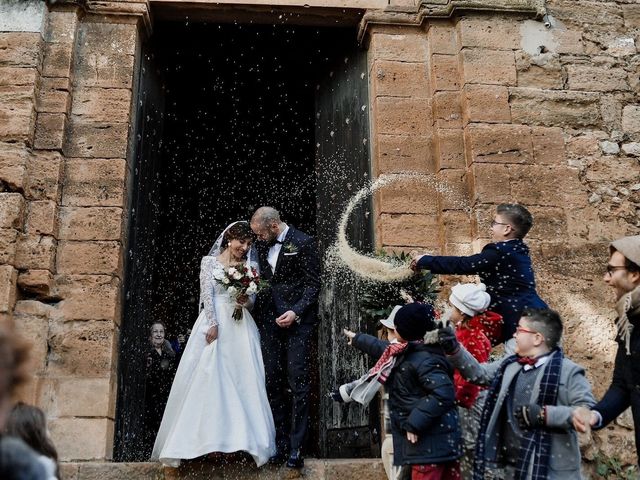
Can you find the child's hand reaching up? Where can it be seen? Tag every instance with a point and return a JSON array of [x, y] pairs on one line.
[[349, 334], [412, 437]]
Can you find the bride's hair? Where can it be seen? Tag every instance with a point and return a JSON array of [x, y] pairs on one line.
[[238, 231]]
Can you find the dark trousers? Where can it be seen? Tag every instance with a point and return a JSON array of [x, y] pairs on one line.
[[287, 359]]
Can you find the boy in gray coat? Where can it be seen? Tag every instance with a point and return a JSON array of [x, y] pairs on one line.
[[526, 427]]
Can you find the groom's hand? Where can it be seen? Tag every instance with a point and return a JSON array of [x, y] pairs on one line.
[[286, 319]]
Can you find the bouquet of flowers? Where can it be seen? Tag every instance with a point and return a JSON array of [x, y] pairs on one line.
[[238, 281]]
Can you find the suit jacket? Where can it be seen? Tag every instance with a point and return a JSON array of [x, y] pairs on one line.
[[574, 390], [505, 268], [295, 284]]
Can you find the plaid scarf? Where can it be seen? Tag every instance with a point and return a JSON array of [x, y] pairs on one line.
[[393, 350], [535, 449]]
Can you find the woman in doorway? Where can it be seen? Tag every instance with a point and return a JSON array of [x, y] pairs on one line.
[[218, 401]]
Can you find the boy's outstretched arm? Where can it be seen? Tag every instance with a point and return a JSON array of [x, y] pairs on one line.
[[470, 265]]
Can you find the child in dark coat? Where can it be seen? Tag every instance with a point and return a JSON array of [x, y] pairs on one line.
[[504, 266], [424, 418]]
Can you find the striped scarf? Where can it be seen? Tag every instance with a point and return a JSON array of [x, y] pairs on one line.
[[393, 350], [535, 449]]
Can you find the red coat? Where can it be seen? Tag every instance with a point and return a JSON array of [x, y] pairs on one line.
[[475, 338]]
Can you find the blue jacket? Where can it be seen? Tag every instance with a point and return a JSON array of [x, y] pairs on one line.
[[505, 268], [421, 401]]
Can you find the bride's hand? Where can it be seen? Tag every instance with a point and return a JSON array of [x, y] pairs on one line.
[[212, 333], [242, 300]]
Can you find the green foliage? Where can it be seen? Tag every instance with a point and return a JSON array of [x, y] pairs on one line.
[[612, 468], [379, 298]]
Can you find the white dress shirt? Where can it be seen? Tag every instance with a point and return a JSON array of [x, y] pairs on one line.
[[274, 251]]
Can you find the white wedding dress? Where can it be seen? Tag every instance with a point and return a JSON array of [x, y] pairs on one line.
[[218, 401]]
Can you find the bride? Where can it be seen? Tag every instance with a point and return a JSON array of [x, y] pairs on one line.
[[218, 401]]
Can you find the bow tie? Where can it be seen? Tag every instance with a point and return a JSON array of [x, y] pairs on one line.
[[273, 242], [527, 361]]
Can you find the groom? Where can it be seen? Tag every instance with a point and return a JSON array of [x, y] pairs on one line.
[[287, 316]]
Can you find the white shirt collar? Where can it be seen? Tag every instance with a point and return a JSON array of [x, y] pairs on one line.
[[283, 235], [539, 362]]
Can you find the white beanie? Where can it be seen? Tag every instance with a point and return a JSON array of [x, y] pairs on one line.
[[470, 298]]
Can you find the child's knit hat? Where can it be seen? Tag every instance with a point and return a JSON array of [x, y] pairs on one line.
[[414, 320], [389, 321], [470, 298]]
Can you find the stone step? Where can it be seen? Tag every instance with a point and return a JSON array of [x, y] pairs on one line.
[[315, 469]]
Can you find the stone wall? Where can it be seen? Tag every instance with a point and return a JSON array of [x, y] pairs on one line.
[[496, 105], [505, 109], [66, 94]]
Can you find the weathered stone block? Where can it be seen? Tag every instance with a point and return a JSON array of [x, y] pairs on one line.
[[31, 319], [11, 210], [450, 148], [41, 219], [568, 41], [8, 279], [539, 71], [415, 230], [53, 96], [398, 116], [89, 297], [399, 79], [585, 144], [554, 108], [447, 109], [8, 245], [489, 183], [90, 223], [89, 258], [96, 141], [613, 169], [21, 49], [548, 145], [152, 471], [37, 282], [598, 79], [99, 70], [82, 438], [50, 131], [453, 189], [401, 153], [589, 14], [499, 143], [475, 61], [550, 223], [18, 76], [17, 113], [78, 397], [442, 38], [492, 32], [57, 59], [401, 46], [61, 27], [413, 197], [631, 118], [35, 251], [44, 174], [444, 72], [631, 14], [487, 104], [104, 105], [13, 165], [94, 182], [456, 227], [554, 185]]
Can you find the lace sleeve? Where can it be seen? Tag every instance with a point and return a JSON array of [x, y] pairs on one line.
[[206, 289]]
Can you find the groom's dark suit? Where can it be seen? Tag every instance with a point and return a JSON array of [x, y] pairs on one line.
[[294, 285]]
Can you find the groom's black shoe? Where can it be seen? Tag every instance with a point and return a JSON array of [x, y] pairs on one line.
[[295, 459], [278, 459]]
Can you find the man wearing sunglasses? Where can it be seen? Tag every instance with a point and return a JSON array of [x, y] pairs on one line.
[[623, 275]]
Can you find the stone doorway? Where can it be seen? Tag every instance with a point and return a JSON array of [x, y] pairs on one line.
[[227, 119]]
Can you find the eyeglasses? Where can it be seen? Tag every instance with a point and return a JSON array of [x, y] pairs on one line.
[[520, 329], [494, 223], [613, 268]]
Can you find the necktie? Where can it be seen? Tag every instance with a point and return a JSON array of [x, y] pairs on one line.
[[527, 361]]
